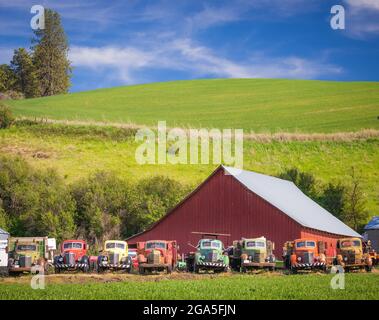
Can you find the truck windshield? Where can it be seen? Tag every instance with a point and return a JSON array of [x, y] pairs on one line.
[[72, 245], [255, 244], [155, 245], [26, 247], [303, 244], [211, 244], [350, 243], [113, 245]]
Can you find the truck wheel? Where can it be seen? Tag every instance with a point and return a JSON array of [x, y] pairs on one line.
[[57, 270], [293, 270], [4, 272], [243, 269], [196, 268], [141, 270], [368, 268], [169, 269]]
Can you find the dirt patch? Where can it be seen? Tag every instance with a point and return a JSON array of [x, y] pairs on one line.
[[27, 152], [80, 278]]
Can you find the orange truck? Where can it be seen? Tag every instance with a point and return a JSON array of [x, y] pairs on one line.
[[305, 254], [157, 255]]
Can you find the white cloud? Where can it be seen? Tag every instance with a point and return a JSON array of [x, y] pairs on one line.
[[362, 18], [129, 63], [364, 4]]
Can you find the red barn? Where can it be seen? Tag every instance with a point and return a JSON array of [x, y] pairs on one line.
[[246, 204]]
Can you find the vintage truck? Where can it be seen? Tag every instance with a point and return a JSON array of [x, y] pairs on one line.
[[30, 253], [157, 255], [114, 256], [351, 255], [305, 255], [73, 257], [210, 255], [250, 254]]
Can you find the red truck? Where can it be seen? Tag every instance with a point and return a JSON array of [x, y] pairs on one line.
[[73, 257], [157, 255]]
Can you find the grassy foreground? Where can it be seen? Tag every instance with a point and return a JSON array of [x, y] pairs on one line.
[[317, 286], [262, 105]]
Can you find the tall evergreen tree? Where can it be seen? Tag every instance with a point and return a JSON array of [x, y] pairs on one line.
[[51, 56], [7, 78], [25, 73]]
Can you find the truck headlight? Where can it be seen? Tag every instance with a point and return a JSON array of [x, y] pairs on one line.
[[345, 258], [298, 258]]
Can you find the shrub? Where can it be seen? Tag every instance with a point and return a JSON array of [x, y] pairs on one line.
[[36, 202], [6, 117]]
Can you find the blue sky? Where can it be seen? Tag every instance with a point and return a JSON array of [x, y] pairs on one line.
[[116, 43]]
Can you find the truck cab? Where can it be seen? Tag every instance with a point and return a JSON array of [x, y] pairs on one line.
[[114, 256], [210, 256], [73, 256], [27, 252], [253, 253], [350, 254], [157, 255], [305, 254]]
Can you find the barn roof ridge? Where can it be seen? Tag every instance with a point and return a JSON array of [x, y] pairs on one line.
[[289, 199]]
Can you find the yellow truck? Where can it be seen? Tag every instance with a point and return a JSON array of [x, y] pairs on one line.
[[26, 253], [114, 257], [253, 253], [351, 255]]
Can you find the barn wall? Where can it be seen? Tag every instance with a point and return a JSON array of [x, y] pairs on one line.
[[223, 205], [373, 235]]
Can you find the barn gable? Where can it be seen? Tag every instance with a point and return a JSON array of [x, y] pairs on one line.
[[225, 203]]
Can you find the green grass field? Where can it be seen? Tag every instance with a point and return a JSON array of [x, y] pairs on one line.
[[262, 105], [76, 152], [316, 286]]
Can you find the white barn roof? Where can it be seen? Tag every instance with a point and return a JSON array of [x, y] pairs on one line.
[[289, 199]]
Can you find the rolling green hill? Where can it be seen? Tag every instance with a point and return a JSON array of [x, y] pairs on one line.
[[252, 104]]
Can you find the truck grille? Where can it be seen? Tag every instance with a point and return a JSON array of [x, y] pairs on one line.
[[308, 257], [114, 258], [69, 258]]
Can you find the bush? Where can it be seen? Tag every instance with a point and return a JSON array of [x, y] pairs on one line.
[[6, 117], [36, 203], [101, 204]]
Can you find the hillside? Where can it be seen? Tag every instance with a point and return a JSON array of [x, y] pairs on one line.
[[252, 104]]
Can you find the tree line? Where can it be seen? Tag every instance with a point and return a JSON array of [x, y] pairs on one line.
[[102, 206], [346, 200], [44, 70]]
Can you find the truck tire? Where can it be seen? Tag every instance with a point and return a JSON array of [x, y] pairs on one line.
[[141, 270], [368, 268], [196, 268], [4, 272], [169, 269]]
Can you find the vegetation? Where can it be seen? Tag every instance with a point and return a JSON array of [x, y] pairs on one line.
[[45, 70], [50, 52], [347, 202], [357, 286], [25, 73], [99, 207], [262, 105], [6, 116]]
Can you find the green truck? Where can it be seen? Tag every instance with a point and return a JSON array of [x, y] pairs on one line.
[[210, 255], [28, 253]]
